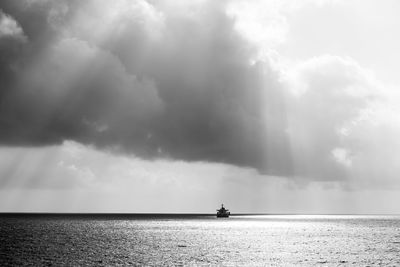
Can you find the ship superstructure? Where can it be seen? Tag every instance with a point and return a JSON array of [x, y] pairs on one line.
[[222, 212]]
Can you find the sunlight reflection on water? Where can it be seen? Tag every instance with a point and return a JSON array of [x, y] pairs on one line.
[[239, 240]]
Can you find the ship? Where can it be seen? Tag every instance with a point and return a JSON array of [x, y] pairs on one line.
[[222, 212]]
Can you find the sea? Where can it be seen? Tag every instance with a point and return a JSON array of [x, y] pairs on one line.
[[198, 240]]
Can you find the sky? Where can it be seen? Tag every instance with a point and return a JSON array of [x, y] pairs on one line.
[[178, 106]]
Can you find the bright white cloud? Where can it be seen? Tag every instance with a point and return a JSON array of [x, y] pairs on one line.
[[9, 28], [261, 22], [342, 156]]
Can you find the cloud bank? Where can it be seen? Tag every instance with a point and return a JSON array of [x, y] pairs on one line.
[[183, 81]]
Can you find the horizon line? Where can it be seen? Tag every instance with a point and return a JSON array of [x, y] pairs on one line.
[[191, 213]]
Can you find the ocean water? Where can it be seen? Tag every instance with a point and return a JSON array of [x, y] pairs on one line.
[[267, 240]]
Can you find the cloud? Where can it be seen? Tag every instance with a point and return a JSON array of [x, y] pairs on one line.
[[149, 79], [184, 81], [342, 124], [9, 28], [12, 41], [261, 22]]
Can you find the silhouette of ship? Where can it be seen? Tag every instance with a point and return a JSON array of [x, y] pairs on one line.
[[222, 212]]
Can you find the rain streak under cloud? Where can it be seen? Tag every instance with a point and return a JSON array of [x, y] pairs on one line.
[[104, 94]]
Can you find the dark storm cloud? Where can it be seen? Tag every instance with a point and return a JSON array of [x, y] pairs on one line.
[[153, 80]]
